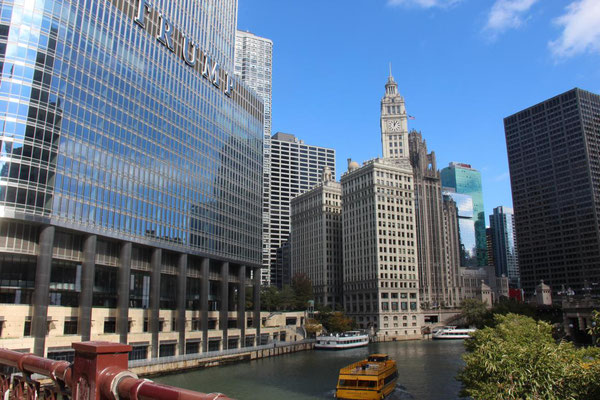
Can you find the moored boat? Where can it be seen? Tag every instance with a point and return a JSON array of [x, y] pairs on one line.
[[346, 340], [452, 332], [370, 379]]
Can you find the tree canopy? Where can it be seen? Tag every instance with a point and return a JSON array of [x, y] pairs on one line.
[[473, 312], [519, 359], [335, 321], [289, 298]]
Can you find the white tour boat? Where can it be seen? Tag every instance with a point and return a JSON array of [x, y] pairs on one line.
[[339, 341], [452, 332]]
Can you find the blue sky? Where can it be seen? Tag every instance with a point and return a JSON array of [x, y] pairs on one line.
[[461, 65]]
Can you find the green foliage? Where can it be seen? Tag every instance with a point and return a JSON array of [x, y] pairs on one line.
[[519, 359], [594, 329], [335, 321], [290, 298], [474, 312], [313, 327], [303, 291], [269, 298]]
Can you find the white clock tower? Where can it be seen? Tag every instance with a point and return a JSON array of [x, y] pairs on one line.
[[394, 124]]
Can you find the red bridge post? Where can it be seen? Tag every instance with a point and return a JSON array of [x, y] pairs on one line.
[[97, 367]]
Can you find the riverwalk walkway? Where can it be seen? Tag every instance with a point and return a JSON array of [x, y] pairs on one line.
[[166, 365]]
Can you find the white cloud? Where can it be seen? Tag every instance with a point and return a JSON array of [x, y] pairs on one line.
[[507, 14], [581, 29], [424, 3], [502, 177]]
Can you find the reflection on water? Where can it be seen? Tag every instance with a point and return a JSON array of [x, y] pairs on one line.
[[426, 372]]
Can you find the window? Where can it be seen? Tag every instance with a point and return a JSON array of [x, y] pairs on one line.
[[139, 352], [110, 325], [232, 343], [167, 350], [61, 355], [212, 323], [192, 347], [70, 326], [196, 324], [27, 327], [214, 344]]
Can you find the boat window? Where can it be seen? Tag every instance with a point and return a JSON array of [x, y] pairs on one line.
[[367, 384], [390, 378], [377, 359], [348, 382]]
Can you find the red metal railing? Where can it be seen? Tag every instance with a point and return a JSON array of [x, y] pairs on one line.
[[99, 372]]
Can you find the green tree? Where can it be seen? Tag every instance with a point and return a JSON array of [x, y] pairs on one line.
[[303, 291], [519, 359], [474, 312], [287, 299], [338, 322], [269, 298], [594, 329]]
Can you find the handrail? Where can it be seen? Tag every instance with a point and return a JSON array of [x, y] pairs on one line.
[[211, 354], [98, 372]]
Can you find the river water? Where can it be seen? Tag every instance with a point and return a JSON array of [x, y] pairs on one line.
[[426, 370]]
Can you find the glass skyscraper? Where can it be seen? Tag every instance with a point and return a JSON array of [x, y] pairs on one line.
[[466, 228], [466, 180], [254, 66], [504, 245], [130, 169]]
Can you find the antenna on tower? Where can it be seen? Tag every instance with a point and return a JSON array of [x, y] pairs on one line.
[[390, 68]]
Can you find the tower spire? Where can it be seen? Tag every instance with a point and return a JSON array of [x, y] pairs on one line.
[[391, 70]]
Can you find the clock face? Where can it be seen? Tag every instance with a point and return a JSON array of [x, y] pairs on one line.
[[394, 125]]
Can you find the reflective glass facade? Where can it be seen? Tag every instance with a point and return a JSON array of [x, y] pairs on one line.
[[466, 228], [105, 129], [504, 240], [466, 180]]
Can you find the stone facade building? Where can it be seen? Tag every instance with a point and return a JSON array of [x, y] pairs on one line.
[[317, 239], [296, 167], [438, 272], [381, 274]]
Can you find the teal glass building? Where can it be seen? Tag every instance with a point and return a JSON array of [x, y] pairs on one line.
[[463, 179], [130, 171]]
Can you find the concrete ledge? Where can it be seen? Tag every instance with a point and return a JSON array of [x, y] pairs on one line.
[[178, 366]]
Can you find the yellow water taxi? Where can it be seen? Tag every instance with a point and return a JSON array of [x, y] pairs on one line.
[[373, 378]]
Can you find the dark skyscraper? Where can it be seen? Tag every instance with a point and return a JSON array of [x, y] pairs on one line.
[[553, 153]]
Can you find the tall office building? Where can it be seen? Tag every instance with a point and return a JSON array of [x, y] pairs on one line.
[[464, 179], [554, 159], [381, 274], [438, 273], [295, 168], [254, 66], [131, 164], [452, 250], [466, 228], [504, 245], [317, 239]]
